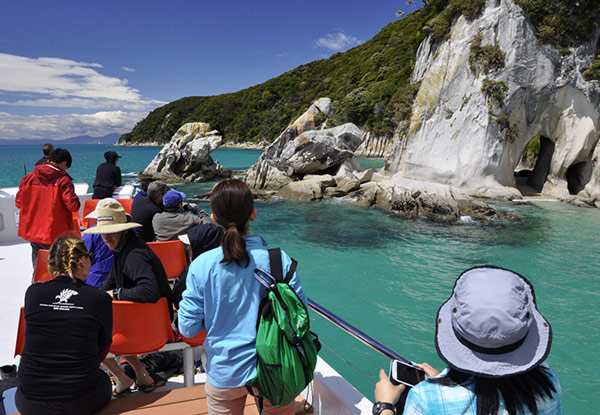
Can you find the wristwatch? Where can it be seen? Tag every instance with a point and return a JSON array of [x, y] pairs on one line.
[[379, 407]]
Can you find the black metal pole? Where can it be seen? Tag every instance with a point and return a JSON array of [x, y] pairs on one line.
[[356, 333]]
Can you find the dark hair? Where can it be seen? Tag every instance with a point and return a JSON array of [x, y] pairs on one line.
[[232, 205], [47, 149], [65, 254], [518, 391], [145, 182], [60, 155]]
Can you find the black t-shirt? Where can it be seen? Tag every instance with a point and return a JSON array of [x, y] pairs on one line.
[[108, 175], [142, 212], [65, 324]]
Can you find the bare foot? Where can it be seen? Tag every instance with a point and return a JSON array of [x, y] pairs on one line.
[[144, 380], [122, 387]]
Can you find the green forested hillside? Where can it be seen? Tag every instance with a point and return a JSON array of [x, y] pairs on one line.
[[368, 84]]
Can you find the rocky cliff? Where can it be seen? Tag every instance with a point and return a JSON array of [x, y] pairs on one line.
[[485, 93]]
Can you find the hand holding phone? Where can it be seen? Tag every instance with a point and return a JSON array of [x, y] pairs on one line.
[[405, 373]]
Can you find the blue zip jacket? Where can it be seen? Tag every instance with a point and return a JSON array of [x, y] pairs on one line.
[[224, 300], [102, 259]]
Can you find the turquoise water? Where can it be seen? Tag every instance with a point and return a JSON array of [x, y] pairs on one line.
[[389, 276]]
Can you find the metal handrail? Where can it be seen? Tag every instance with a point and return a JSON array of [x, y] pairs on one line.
[[356, 333]]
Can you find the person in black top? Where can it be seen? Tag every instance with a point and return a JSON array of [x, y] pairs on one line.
[[68, 333], [136, 275], [108, 176], [146, 207], [47, 149]]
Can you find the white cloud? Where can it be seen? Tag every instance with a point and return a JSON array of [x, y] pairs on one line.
[[338, 42], [128, 69], [85, 103], [56, 79], [68, 125]]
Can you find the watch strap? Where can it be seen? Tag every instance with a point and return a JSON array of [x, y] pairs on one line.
[[379, 407]]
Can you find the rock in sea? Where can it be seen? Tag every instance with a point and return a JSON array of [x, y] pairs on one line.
[[186, 158]]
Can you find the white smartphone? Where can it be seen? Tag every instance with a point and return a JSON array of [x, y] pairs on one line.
[[405, 373]]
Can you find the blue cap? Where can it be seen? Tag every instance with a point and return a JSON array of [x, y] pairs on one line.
[[173, 198]]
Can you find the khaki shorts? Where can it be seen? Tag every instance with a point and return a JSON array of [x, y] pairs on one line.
[[232, 402]]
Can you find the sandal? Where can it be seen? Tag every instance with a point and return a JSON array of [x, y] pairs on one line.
[[121, 394], [146, 388]]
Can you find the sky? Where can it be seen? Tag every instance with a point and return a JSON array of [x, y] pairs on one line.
[[72, 68]]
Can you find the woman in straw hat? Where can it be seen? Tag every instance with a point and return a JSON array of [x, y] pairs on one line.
[[68, 334], [136, 275], [494, 340]]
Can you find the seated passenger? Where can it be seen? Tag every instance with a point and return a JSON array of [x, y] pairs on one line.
[[495, 341], [144, 190], [145, 208], [223, 297], [68, 333], [102, 257], [174, 221], [136, 275], [199, 239]]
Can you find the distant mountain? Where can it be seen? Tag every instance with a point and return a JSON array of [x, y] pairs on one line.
[[84, 139]]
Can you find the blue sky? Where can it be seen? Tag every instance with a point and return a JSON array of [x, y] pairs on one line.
[[70, 68]]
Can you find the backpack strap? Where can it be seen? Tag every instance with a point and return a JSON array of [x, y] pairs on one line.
[[277, 267]]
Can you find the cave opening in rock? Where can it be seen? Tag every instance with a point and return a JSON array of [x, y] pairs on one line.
[[578, 175], [534, 166]]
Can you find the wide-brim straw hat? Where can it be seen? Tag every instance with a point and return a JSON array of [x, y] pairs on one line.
[[491, 326], [111, 218], [106, 201]]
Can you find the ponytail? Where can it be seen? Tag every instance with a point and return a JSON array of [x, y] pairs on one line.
[[232, 204]]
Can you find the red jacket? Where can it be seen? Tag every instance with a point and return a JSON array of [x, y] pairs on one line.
[[46, 198]]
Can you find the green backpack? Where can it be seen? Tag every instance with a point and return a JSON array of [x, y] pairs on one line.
[[286, 348]]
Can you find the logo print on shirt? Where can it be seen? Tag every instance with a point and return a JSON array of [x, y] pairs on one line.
[[65, 294]]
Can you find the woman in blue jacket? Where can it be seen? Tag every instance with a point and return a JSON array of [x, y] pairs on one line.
[[223, 297]]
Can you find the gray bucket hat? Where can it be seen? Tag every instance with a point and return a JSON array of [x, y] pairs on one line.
[[490, 326], [111, 218]]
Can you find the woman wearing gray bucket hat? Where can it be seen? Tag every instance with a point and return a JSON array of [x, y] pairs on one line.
[[494, 340]]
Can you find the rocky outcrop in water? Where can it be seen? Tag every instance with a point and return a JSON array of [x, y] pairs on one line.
[[471, 123], [301, 150], [186, 158]]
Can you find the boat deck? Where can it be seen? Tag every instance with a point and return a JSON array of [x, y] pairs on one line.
[[190, 400]]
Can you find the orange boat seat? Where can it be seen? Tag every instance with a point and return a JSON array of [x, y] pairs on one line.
[[20, 343], [41, 273], [171, 255], [140, 327]]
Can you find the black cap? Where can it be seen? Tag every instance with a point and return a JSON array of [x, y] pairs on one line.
[[111, 156]]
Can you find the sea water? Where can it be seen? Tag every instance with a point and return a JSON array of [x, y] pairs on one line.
[[389, 276]]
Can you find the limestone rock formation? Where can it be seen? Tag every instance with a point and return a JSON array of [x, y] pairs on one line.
[[469, 128], [186, 158], [374, 146], [301, 150]]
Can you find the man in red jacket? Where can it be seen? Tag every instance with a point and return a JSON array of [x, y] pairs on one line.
[[47, 198]]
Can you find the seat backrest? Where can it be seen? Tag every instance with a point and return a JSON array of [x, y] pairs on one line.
[[140, 327], [41, 273], [197, 340], [126, 203], [88, 207], [20, 343], [171, 255]]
